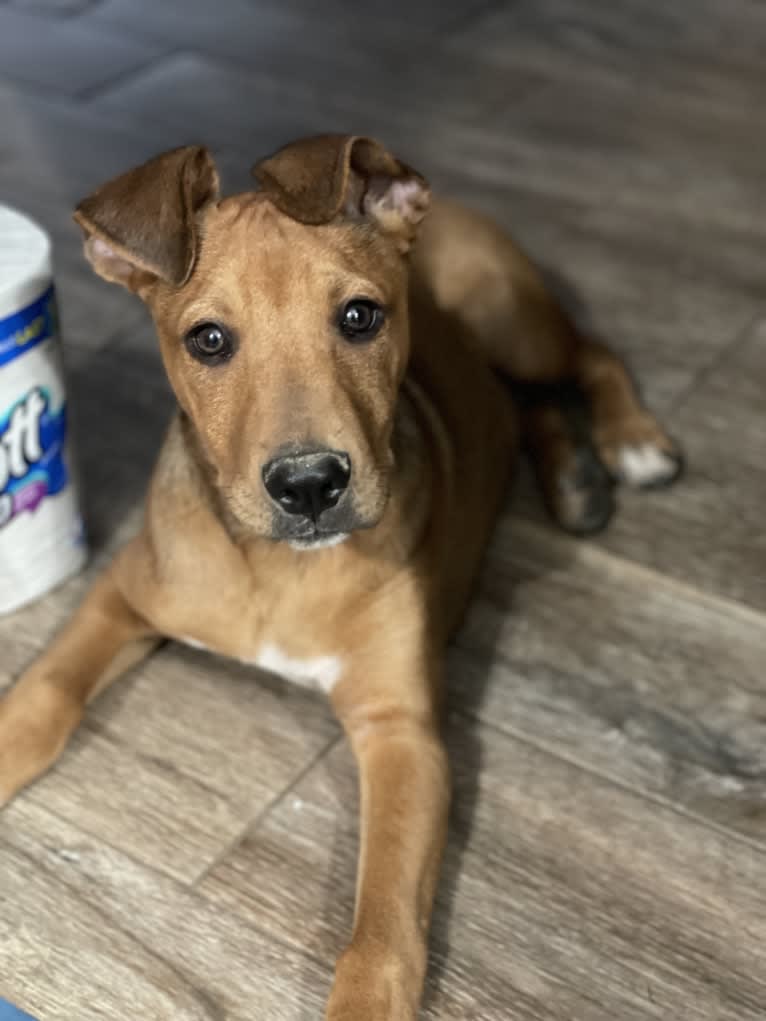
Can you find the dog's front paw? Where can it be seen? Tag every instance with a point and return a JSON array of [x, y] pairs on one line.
[[376, 986], [35, 723], [638, 452]]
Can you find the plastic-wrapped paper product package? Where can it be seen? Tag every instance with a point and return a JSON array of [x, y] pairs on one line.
[[42, 539]]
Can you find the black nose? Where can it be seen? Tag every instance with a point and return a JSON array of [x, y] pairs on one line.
[[307, 484]]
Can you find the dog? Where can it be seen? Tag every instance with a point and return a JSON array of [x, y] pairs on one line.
[[340, 348]]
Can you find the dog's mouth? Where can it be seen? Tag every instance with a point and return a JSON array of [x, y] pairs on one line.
[[331, 528], [319, 540]]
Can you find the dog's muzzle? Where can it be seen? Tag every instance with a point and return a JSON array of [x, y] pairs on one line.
[[309, 485]]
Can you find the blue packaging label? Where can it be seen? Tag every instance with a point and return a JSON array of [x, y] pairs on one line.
[[10, 1013], [32, 464], [26, 329], [32, 434]]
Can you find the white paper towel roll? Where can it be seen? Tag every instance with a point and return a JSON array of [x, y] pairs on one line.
[[41, 532]]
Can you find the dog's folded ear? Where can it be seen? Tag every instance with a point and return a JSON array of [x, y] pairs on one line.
[[144, 225], [320, 179]]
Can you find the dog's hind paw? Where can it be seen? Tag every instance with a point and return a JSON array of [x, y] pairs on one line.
[[647, 466], [639, 453], [582, 502]]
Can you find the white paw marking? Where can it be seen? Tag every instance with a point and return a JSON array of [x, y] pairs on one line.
[[323, 671], [645, 465], [320, 671]]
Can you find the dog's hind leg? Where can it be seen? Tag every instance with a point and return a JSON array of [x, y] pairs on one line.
[[587, 429], [512, 317], [547, 351], [39, 713]]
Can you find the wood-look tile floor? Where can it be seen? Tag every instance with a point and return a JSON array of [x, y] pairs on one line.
[[193, 855]]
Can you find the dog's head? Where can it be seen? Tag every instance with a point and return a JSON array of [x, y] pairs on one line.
[[282, 318]]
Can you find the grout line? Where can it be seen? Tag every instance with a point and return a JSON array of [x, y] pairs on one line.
[[59, 877], [210, 1007], [453, 26], [24, 87], [510, 733], [84, 8], [185, 882], [75, 824], [732, 347], [92, 5], [253, 825], [590, 555], [89, 93]]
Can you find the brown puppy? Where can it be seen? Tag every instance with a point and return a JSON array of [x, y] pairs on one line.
[[340, 452]]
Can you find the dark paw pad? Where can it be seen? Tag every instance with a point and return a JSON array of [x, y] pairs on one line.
[[584, 499]]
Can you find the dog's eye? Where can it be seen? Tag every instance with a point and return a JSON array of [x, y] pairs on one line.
[[210, 343], [360, 319]]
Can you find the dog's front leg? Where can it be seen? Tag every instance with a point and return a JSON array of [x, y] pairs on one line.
[[39, 713], [404, 787]]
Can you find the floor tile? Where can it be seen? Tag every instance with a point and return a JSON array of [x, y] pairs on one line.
[[707, 531], [89, 933], [66, 56], [620, 669], [616, 146], [172, 764], [57, 8], [194, 94], [562, 895], [195, 99], [65, 150], [703, 50], [268, 18]]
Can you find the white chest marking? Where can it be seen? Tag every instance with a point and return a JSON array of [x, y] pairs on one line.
[[322, 671]]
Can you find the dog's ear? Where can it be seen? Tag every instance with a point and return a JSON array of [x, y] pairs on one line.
[[144, 225], [319, 179]]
